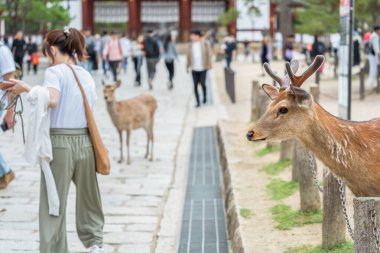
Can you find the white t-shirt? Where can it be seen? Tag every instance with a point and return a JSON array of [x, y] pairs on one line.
[[126, 45], [7, 64], [69, 112], [197, 56]]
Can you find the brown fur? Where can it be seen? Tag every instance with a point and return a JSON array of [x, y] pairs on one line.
[[131, 114], [350, 149]]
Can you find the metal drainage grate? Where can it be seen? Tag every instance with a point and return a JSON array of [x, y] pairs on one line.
[[203, 222]]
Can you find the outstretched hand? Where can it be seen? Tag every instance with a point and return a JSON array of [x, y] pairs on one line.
[[18, 87]]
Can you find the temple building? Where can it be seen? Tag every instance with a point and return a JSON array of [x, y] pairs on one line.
[[139, 15]]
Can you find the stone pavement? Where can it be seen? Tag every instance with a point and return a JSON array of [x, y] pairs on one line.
[[133, 196]]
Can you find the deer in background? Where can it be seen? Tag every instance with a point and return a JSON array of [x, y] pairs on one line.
[[131, 114], [350, 149]]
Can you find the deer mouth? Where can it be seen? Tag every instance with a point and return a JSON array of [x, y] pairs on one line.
[[251, 137]]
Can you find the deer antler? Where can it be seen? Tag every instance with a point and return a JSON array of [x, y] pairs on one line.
[[299, 80], [284, 82]]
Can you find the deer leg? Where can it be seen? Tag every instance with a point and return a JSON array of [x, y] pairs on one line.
[[147, 145], [128, 139], [151, 143], [121, 147]]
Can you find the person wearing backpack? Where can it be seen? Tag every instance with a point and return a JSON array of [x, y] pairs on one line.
[[373, 57], [152, 54], [318, 48]]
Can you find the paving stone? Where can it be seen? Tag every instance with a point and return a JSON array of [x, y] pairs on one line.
[[132, 196]]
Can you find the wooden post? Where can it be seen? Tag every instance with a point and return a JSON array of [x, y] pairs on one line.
[[333, 226], [309, 194], [254, 98], [287, 150], [262, 105], [314, 90], [364, 238]]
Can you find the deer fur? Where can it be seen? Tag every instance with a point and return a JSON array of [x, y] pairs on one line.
[[130, 114], [350, 149]]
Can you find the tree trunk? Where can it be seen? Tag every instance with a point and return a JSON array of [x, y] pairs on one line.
[[286, 20], [254, 100], [287, 150], [334, 226], [364, 238], [309, 194], [296, 166]]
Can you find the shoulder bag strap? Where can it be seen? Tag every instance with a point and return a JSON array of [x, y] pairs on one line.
[[85, 101]]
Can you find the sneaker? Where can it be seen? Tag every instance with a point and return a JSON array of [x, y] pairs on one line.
[[96, 249], [150, 82], [6, 179]]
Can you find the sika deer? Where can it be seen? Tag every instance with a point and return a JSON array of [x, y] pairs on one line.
[[131, 114], [350, 149]]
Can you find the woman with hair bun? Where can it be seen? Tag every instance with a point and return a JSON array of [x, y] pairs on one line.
[[73, 157]]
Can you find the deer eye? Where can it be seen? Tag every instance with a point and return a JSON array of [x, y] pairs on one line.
[[283, 110]]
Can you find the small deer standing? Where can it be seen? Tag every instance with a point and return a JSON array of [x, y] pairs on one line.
[[131, 114], [350, 149]]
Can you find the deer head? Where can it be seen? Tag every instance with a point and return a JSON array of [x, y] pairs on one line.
[[109, 90], [291, 110]]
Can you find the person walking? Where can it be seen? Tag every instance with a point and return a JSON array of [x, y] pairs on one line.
[[373, 57], [170, 55], [73, 155], [126, 45], [138, 56], [7, 69], [152, 54], [288, 50], [114, 54], [18, 49], [103, 42], [318, 48], [91, 52], [266, 53], [32, 51], [199, 61], [229, 48]]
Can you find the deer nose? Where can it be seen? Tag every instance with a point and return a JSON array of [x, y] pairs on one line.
[[250, 135]]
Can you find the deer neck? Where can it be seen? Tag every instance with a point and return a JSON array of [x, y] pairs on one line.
[[332, 140], [111, 108]]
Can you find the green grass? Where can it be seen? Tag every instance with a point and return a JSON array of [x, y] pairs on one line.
[[287, 218], [275, 168], [279, 189], [268, 150], [246, 213], [346, 247]]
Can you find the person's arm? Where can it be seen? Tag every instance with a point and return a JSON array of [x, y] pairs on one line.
[[8, 119]]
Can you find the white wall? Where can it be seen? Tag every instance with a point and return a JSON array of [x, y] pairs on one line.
[[250, 21], [75, 13]]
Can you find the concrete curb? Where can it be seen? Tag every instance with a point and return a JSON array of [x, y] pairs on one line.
[[232, 211]]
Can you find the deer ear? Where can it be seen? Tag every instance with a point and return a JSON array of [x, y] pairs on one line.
[[271, 91]]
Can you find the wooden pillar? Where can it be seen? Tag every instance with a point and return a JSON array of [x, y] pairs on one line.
[[185, 23], [134, 9], [272, 18], [88, 15], [232, 26]]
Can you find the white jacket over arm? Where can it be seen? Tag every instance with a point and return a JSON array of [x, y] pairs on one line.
[[38, 147]]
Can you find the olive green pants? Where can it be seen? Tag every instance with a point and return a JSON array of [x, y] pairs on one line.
[[73, 159]]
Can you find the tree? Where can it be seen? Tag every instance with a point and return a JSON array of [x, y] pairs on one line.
[[33, 16], [227, 18], [319, 17]]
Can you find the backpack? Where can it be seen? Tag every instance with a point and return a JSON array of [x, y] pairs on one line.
[[151, 48], [367, 48]]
